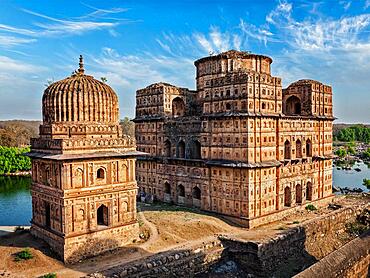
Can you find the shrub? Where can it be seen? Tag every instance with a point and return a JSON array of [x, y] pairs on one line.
[[341, 153], [356, 228], [23, 255], [366, 182], [295, 222], [50, 275], [311, 207]]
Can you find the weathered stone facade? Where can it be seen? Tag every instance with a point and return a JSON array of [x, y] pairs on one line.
[[239, 145], [83, 171]]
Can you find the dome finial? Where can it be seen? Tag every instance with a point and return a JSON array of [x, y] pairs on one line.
[[81, 69]]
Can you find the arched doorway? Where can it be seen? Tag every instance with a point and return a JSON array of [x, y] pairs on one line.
[[298, 194], [167, 148], [178, 107], [102, 216], [180, 194], [287, 197], [309, 192], [293, 106], [196, 193], [287, 150], [167, 193], [298, 149], [308, 148], [196, 150], [181, 149]]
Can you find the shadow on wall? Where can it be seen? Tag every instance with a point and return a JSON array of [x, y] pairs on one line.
[[283, 256], [161, 206]]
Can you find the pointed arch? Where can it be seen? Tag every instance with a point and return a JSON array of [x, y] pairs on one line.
[[298, 149], [308, 148], [287, 150]]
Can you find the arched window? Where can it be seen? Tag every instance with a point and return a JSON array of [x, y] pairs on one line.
[[100, 174], [293, 106], [196, 193], [178, 107], [167, 148], [308, 148], [196, 150], [298, 149], [102, 216], [309, 191], [287, 197], [167, 188], [181, 149], [263, 105], [287, 150], [228, 106], [47, 215], [181, 190], [298, 194]]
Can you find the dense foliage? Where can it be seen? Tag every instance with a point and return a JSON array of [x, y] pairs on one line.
[[13, 160], [354, 133]]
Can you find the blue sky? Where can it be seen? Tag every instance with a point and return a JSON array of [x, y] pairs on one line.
[[136, 43]]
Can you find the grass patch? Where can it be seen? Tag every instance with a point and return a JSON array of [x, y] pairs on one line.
[[311, 207], [23, 255]]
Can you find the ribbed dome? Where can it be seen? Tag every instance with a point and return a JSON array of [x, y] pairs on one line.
[[80, 98]]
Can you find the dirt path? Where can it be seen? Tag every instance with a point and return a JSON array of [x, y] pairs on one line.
[[154, 235]]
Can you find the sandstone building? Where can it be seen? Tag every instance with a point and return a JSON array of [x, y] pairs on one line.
[[83, 170], [239, 145]]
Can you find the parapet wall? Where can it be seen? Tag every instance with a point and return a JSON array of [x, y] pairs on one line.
[[350, 261], [176, 263], [287, 254]]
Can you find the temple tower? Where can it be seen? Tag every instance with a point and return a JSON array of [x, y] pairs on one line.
[[83, 170]]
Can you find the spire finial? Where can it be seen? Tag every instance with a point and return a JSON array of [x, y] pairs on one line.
[[81, 69]]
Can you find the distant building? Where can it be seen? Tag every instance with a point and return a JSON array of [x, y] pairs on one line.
[[83, 171], [239, 145]]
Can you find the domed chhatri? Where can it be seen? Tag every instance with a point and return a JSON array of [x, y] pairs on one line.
[[80, 98], [83, 170]]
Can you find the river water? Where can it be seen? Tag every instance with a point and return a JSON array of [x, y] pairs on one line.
[[16, 208]]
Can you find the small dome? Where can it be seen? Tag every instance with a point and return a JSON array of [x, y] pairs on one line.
[[80, 98]]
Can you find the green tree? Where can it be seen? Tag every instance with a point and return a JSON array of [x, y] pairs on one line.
[[128, 127], [12, 159]]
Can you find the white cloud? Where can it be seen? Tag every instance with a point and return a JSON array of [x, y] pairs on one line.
[[15, 66], [9, 41]]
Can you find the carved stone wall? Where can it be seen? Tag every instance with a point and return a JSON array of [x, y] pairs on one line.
[[254, 159], [83, 171]]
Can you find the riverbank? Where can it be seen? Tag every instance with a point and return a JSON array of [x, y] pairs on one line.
[[18, 174], [6, 230]]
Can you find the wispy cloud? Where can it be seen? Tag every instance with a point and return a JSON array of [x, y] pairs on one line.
[[367, 4], [10, 41], [48, 26]]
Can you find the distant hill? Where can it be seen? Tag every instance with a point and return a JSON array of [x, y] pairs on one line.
[[17, 133]]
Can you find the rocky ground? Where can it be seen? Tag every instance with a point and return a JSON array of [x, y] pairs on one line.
[[163, 227]]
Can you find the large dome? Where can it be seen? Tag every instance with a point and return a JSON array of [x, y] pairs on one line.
[[80, 98]]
